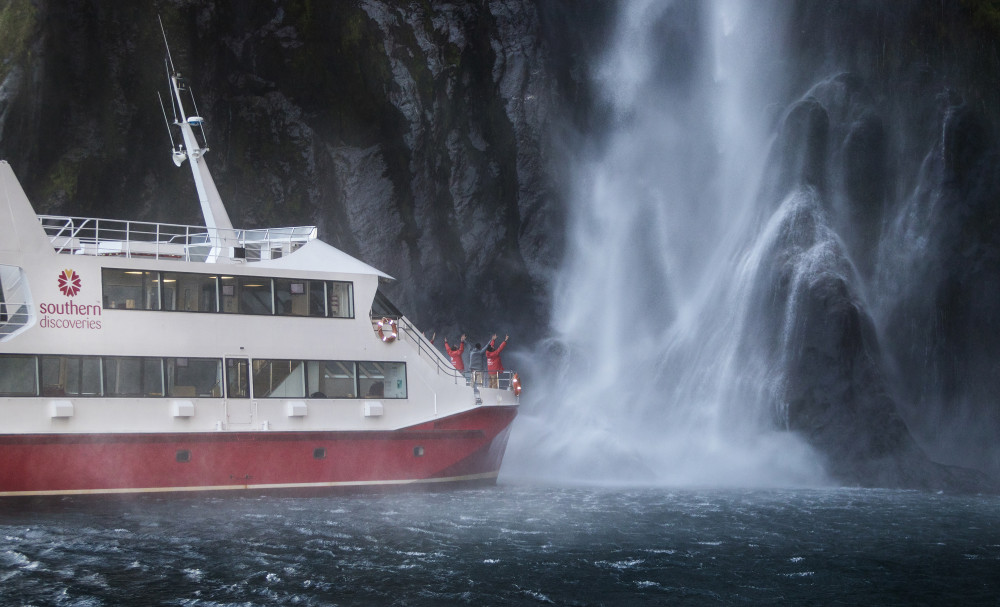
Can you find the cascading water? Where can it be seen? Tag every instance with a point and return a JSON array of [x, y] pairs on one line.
[[783, 257], [660, 376]]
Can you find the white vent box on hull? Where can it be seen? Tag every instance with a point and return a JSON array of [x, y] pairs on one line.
[[296, 408], [60, 408], [373, 408], [183, 408]]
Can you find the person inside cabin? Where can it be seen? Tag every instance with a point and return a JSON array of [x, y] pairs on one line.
[[456, 353], [493, 363], [477, 364]]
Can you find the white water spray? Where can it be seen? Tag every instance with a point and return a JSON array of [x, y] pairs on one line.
[[657, 384]]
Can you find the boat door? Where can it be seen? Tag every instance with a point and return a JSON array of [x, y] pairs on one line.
[[239, 407]]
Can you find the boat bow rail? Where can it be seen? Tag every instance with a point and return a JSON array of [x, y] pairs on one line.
[[442, 365], [113, 237]]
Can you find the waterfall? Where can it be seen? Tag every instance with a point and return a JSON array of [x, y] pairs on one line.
[[661, 376]]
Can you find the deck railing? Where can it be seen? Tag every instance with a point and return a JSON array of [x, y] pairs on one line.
[[13, 316], [114, 237], [427, 351]]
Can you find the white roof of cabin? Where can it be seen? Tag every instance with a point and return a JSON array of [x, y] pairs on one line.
[[317, 255]]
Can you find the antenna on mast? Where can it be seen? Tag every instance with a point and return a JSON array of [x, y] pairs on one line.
[[198, 121], [164, 32], [216, 218], [177, 151], [173, 102]]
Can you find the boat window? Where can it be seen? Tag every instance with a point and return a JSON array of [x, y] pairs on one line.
[[71, 376], [190, 377], [312, 380], [237, 378], [53, 376], [228, 299], [133, 376], [298, 297], [381, 306], [332, 379], [90, 377], [382, 379], [130, 289], [188, 292], [317, 298], [279, 378], [246, 294], [3, 303], [255, 295], [152, 376], [191, 292], [341, 299], [18, 375], [291, 296], [198, 377]]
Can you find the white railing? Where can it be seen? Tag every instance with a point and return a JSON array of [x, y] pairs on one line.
[[114, 237], [426, 350], [13, 316]]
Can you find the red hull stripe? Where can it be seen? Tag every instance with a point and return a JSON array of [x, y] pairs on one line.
[[465, 448]]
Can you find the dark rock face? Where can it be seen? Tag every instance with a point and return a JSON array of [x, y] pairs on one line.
[[834, 390], [885, 266], [819, 334], [943, 326]]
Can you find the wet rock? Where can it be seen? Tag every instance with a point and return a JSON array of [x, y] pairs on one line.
[[804, 143]]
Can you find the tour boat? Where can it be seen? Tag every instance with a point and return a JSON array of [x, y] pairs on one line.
[[144, 357]]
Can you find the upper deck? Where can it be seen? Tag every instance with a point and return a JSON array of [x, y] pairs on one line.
[[121, 238]]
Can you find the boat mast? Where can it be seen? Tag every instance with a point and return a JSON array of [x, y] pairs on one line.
[[216, 218]]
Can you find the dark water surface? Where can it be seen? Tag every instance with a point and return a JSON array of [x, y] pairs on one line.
[[507, 545]]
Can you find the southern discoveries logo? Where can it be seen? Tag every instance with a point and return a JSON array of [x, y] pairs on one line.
[[69, 283], [80, 316]]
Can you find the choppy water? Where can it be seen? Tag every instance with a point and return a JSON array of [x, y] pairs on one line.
[[508, 545]]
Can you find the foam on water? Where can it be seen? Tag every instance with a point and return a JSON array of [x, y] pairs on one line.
[[566, 546]]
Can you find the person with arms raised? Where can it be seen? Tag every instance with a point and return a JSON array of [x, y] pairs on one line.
[[456, 353], [494, 365]]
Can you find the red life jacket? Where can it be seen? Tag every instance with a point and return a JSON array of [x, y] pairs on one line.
[[456, 355], [493, 358]]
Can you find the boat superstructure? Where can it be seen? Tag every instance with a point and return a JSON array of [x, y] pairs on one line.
[[147, 357]]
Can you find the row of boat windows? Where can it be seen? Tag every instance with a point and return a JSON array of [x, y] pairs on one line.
[[150, 376], [191, 292]]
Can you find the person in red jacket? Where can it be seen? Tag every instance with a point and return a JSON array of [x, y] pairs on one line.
[[494, 366], [456, 353]]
